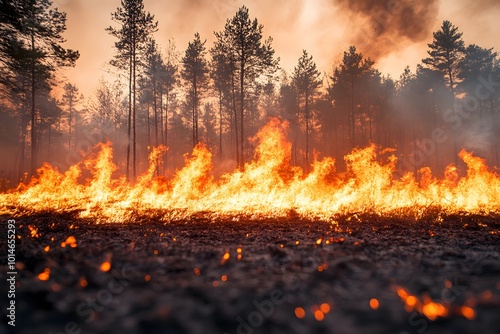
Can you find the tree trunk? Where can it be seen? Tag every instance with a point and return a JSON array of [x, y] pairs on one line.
[[155, 112], [220, 124], [129, 117], [353, 121], [70, 121], [242, 109], [33, 112], [307, 128], [235, 112], [134, 115], [148, 124]]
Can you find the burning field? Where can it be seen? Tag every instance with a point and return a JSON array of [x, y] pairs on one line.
[[270, 248]]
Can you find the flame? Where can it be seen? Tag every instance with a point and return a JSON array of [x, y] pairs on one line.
[[268, 185]]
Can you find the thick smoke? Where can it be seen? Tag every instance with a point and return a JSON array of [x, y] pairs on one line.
[[381, 27]]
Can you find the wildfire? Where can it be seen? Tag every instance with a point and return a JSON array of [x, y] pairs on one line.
[[268, 185]]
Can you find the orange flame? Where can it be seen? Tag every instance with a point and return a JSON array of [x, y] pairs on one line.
[[268, 185]]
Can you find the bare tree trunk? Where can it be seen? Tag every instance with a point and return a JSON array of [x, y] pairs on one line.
[[33, 113], [129, 118], [148, 124], [155, 113], [220, 124], [134, 116], [307, 128], [23, 148], [242, 109], [353, 122], [70, 121], [235, 122]]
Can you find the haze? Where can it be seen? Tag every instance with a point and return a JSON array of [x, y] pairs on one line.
[[325, 28]]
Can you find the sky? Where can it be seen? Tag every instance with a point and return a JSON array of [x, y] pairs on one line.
[[393, 33]]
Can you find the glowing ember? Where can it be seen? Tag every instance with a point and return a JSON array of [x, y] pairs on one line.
[[433, 310], [33, 231], [325, 308], [468, 312], [83, 282], [70, 241], [300, 312], [374, 304], [320, 316], [105, 266], [269, 185], [45, 275], [225, 258]]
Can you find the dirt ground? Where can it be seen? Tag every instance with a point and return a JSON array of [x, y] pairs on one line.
[[247, 275]]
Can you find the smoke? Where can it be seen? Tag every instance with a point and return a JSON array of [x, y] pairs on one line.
[[393, 29], [381, 27]]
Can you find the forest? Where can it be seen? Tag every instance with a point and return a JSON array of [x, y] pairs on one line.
[[219, 95]]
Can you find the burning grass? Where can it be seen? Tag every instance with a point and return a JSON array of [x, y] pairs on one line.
[[268, 186]]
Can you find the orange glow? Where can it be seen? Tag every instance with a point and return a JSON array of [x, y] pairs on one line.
[[432, 310], [223, 278], [83, 282], [105, 266], [300, 312], [325, 308], [147, 278], [70, 241], [197, 271], [487, 294], [267, 186], [411, 301], [33, 231], [426, 306], [320, 316], [45, 275], [374, 304], [225, 258], [46, 248], [468, 312]]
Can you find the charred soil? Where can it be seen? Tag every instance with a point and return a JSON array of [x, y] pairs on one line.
[[246, 275]]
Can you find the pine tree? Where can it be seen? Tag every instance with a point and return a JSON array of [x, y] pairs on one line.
[[446, 52], [345, 91], [306, 79], [252, 58], [195, 73], [70, 98], [133, 34], [31, 54], [221, 73]]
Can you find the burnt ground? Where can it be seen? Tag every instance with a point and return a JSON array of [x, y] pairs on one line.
[[453, 260]]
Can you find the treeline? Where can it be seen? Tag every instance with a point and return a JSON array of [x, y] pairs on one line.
[[220, 95]]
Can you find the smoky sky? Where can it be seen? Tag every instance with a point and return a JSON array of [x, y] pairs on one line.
[[381, 26], [394, 33]]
